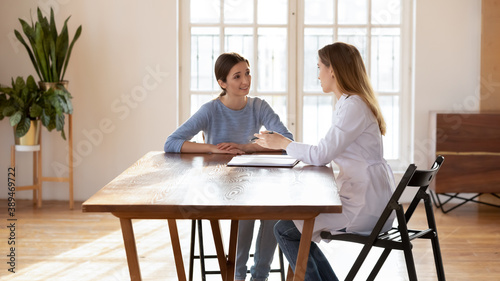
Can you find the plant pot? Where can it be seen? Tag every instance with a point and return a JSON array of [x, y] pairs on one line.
[[32, 137], [47, 85]]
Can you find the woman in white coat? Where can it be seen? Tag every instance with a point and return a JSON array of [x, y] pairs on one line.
[[354, 143]]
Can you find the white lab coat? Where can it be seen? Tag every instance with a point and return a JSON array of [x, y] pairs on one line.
[[365, 180]]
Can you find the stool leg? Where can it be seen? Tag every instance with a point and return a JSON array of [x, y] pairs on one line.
[[70, 160], [202, 254], [13, 161], [191, 251], [12, 156], [35, 178], [40, 174]]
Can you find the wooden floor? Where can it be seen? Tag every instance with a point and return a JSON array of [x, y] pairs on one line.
[[55, 243]]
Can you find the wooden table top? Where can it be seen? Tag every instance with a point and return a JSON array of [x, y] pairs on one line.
[[201, 186]]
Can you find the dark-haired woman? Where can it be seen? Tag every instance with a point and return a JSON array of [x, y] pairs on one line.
[[228, 124]]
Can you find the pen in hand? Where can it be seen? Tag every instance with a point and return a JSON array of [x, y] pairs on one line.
[[256, 138]]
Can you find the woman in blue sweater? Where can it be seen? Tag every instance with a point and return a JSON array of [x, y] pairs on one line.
[[228, 123]]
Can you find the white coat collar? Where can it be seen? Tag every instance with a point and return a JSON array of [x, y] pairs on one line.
[[341, 100]]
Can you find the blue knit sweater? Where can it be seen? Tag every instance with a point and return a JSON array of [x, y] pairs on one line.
[[221, 124]]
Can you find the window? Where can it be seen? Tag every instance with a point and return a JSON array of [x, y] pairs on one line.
[[280, 39]]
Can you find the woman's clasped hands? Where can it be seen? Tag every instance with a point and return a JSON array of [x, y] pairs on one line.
[[231, 148]]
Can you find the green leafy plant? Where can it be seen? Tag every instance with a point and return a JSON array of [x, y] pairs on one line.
[[20, 104], [24, 101], [49, 51]]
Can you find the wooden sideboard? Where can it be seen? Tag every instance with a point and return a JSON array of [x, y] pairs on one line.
[[470, 143]]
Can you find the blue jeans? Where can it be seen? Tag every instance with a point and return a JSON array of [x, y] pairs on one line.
[[264, 249], [318, 267]]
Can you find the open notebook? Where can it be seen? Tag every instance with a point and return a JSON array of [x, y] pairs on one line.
[[261, 160]]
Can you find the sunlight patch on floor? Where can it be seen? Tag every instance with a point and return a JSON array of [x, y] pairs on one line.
[[105, 259]]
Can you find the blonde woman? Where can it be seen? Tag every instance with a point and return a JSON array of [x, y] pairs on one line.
[[354, 143]]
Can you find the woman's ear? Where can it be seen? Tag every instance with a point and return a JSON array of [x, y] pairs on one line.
[[221, 84]]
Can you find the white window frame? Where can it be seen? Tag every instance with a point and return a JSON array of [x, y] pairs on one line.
[[295, 93], [185, 66], [406, 76]]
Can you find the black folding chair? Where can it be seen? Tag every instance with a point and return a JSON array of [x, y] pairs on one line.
[[400, 238]]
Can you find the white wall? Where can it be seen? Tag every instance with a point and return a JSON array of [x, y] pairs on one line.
[[447, 63], [123, 77], [122, 41]]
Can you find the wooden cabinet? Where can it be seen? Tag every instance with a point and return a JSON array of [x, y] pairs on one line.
[[470, 143]]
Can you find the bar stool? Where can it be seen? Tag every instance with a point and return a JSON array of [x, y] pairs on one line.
[[202, 255], [38, 178], [37, 170]]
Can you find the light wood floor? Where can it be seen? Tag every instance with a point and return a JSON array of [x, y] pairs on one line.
[[55, 243]]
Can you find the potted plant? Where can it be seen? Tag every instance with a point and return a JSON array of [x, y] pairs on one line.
[[26, 105], [49, 50]]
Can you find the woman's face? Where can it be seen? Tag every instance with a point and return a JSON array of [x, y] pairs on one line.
[[238, 80], [326, 76]]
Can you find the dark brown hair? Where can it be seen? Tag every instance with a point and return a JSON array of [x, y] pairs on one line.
[[351, 76], [223, 65]]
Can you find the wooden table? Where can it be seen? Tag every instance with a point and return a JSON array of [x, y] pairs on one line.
[[201, 186]]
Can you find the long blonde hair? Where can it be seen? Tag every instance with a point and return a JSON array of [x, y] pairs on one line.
[[351, 76]]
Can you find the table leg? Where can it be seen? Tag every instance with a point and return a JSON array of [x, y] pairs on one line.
[[305, 245], [289, 275], [130, 249], [176, 246], [219, 247], [231, 258]]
